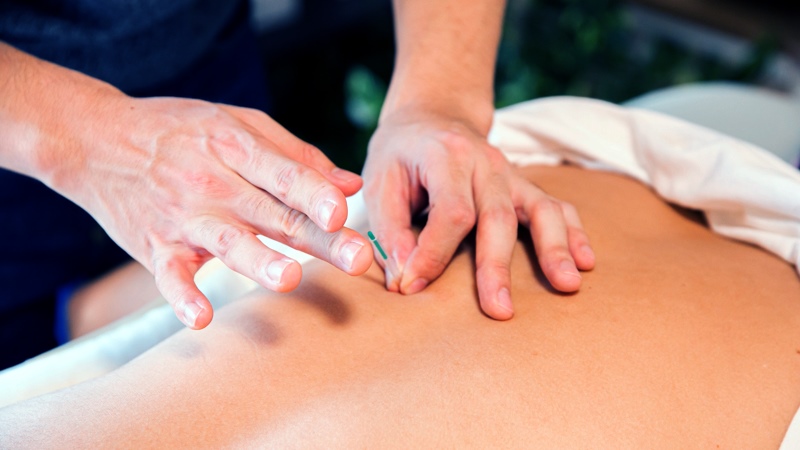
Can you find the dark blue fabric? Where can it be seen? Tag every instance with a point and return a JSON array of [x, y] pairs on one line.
[[131, 44], [49, 242]]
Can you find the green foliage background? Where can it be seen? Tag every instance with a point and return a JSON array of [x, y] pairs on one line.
[[590, 48], [549, 47]]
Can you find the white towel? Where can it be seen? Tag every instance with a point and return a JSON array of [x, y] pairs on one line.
[[745, 192]]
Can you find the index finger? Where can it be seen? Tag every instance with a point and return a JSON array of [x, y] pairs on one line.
[[348, 182], [262, 163]]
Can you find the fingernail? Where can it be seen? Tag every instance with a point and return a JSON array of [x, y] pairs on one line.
[[188, 313], [325, 212], [504, 300], [568, 268], [349, 253], [416, 286], [275, 270], [587, 251], [344, 176]]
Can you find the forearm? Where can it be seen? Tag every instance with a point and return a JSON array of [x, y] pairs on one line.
[[446, 52], [40, 103]]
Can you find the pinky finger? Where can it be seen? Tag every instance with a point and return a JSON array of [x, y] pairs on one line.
[[175, 280], [577, 238], [544, 217]]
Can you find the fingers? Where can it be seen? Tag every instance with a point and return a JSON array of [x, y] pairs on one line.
[[389, 213], [238, 247], [345, 249], [244, 253], [578, 240], [452, 215], [298, 186], [174, 272], [348, 182], [557, 234], [245, 175], [233, 240], [495, 240], [305, 208], [296, 149], [294, 172]]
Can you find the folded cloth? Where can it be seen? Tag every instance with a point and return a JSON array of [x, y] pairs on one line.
[[745, 192], [791, 441]]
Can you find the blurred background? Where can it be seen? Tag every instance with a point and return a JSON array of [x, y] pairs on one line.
[[329, 61]]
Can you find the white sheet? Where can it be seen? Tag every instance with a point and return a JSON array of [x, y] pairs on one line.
[[746, 192]]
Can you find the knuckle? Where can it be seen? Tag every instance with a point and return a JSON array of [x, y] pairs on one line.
[[286, 177], [552, 262], [320, 192], [226, 131], [164, 270], [434, 263], [162, 267], [258, 264], [569, 211], [568, 208], [544, 206], [259, 203], [292, 223], [505, 216], [308, 152], [225, 139], [496, 158], [462, 215], [572, 219], [206, 184], [227, 239], [577, 235], [455, 141], [492, 269]]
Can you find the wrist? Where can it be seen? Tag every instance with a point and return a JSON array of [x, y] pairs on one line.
[[74, 124], [43, 117], [477, 114], [464, 100]]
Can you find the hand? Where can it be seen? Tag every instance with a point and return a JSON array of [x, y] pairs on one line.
[[176, 182], [417, 160]]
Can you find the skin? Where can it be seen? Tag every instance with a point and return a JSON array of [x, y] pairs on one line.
[[679, 339], [202, 180], [247, 176], [430, 152], [198, 180]]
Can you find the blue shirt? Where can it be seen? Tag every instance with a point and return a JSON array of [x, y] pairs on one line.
[[131, 44], [185, 48]]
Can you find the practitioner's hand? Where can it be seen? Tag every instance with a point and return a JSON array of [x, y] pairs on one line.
[[176, 182], [418, 160]]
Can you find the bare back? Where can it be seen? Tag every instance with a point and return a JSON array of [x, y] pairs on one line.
[[678, 339]]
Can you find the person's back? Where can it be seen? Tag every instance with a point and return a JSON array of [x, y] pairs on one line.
[[678, 339]]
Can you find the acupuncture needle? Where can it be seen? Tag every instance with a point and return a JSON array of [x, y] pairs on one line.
[[388, 262]]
